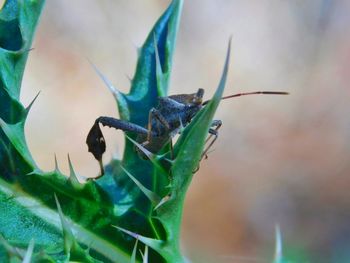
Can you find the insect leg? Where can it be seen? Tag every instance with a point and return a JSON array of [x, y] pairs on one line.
[[213, 132], [155, 114], [121, 125], [96, 142]]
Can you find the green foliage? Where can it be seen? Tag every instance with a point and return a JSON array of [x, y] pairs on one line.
[[48, 217], [136, 206]]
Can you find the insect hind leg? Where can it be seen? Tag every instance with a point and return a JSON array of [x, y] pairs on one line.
[[96, 142], [121, 125], [155, 114]]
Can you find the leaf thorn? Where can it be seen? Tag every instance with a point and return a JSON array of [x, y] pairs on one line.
[[73, 178], [31, 103]]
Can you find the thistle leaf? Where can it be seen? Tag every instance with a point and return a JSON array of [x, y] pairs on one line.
[[144, 91], [128, 195], [27, 205], [188, 151]]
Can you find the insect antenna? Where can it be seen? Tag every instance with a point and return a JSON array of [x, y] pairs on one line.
[[251, 93]]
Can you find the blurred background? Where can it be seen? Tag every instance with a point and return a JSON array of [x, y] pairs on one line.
[[279, 159]]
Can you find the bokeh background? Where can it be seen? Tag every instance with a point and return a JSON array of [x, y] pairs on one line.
[[279, 159]]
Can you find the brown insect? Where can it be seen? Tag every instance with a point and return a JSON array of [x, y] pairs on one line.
[[165, 121]]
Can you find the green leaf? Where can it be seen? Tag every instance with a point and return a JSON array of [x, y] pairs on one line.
[[144, 90], [144, 199], [27, 204], [142, 97], [18, 21], [44, 225], [130, 202], [188, 151], [189, 148]]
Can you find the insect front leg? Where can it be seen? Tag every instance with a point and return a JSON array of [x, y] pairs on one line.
[[213, 132]]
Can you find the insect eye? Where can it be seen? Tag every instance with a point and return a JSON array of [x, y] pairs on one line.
[[197, 100]]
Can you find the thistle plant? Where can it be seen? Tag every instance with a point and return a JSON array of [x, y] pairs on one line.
[[132, 213], [136, 206]]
